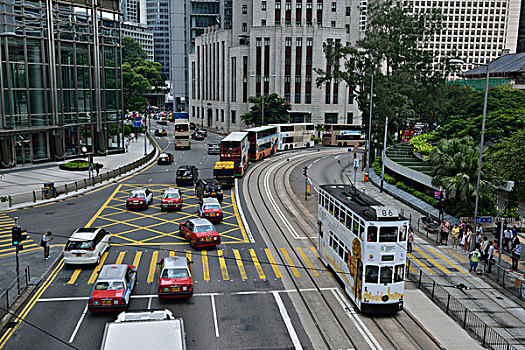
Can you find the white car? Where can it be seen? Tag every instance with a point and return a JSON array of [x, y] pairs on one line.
[[86, 246]]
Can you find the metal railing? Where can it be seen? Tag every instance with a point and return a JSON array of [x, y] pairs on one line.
[[467, 319], [35, 196], [13, 291]]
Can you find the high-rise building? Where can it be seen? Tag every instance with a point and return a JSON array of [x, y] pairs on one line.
[[521, 29], [140, 33], [158, 22], [61, 80], [130, 10]]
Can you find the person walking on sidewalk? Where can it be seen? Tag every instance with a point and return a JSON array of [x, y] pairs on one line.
[[474, 260], [516, 251], [445, 228], [411, 239], [484, 248], [490, 255], [455, 236], [507, 238], [468, 239], [479, 239], [46, 239]]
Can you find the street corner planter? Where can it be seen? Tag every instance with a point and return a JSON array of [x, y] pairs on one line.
[[78, 165]]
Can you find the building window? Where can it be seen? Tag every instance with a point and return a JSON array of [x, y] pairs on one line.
[[330, 118], [319, 6], [334, 6], [263, 23], [277, 5], [234, 117], [245, 27], [307, 98], [216, 115], [288, 6], [263, 5], [288, 42], [277, 22], [297, 97], [258, 42], [244, 9], [222, 115], [332, 24], [309, 42], [350, 118], [299, 42], [348, 11]]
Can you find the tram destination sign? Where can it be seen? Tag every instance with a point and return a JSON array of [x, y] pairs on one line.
[[385, 212]]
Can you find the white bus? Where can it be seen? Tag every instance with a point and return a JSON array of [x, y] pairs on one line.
[[343, 135], [234, 148], [365, 244], [296, 135], [182, 134]]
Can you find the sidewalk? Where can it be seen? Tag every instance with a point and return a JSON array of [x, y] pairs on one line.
[[24, 183], [493, 304]]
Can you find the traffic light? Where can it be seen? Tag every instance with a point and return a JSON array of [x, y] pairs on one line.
[[305, 171], [17, 236]]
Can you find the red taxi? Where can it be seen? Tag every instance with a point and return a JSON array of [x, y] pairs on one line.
[[210, 209], [175, 279], [200, 233], [171, 199], [113, 288], [139, 198]]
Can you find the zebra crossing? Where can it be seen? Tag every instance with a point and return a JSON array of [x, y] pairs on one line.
[[6, 248]]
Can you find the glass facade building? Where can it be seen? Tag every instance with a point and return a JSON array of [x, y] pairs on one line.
[[61, 79]]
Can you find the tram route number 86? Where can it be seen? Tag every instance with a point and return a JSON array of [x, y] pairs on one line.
[[386, 212]]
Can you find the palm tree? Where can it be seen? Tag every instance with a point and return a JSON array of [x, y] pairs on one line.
[[455, 163], [318, 129]]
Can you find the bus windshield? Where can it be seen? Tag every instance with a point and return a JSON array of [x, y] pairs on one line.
[[181, 127], [387, 234]]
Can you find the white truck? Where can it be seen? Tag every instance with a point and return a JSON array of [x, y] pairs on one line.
[[145, 329]]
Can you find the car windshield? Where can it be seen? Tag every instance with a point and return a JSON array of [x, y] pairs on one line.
[[171, 195], [212, 206], [109, 285], [71, 245], [204, 228], [136, 195], [175, 273], [214, 187], [183, 172]]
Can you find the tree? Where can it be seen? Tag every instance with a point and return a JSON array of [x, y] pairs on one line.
[[131, 51], [134, 86], [319, 129], [500, 97], [407, 77], [276, 110]]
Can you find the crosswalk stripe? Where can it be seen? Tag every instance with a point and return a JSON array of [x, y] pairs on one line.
[[136, 261], [290, 262], [417, 261], [172, 253], [188, 255], [274, 264], [313, 250], [74, 276], [447, 260], [222, 262], [153, 266], [238, 259], [94, 275], [433, 261], [307, 261], [205, 268], [258, 266], [120, 258]]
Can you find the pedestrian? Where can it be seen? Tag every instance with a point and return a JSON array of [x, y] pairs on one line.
[[516, 251], [455, 236], [461, 227], [45, 243], [97, 168], [411, 239], [474, 260], [490, 255], [507, 237], [484, 248], [84, 151], [479, 239], [445, 228], [126, 145], [468, 240], [132, 136]]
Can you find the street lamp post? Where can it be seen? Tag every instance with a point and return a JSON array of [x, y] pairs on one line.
[[487, 75]]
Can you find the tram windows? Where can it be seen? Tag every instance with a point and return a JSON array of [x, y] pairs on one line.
[[371, 274], [386, 275], [387, 234], [361, 229], [403, 234], [336, 212], [331, 207], [399, 273], [356, 226], [343, 217], [372, 234], [342, 251], [320, 228]]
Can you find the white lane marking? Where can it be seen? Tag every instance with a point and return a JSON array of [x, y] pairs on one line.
[[149, 302], [274, 205], [215, 316], [78, 324], [150, 180], [241, 212], [356, 320], [287, 321], [315, 161], [166, 170]]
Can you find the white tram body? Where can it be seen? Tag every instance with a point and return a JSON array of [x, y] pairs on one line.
[[365, 244], [295, 135]]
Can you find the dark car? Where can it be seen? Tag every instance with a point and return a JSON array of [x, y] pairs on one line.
[[206, 188], [161, 132], [198, 136], [165, 158], [431, 224], [214, 148], [202, 131], [187, 174]]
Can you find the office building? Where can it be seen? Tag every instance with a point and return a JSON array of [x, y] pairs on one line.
[[61, 80], [158, 23], [140, 33], [130, 10]]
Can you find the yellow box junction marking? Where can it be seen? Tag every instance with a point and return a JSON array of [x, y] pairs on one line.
[[258, 266], [205, 269], [94, 275], [274, 264], [417, 261], [222, 262], [290, 262], [433, 261], [313, 250], [136, 261], [307, 261], [97, 214], [188, 255], [120, 258], [238, 259], [74, 276], [238, 217], [153, 266]]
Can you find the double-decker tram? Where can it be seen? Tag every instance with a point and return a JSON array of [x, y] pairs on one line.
[[263, 142], [365, 244], [342, 135], [234, 148], [296, 135]]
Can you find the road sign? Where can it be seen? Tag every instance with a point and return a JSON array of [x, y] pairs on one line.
[[485, 220], [437, 194], [350, 149]]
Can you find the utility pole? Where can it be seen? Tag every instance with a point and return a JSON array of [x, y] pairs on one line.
[[500, 246], [262, 114], [145, 132], [305, 173], [384, 155]]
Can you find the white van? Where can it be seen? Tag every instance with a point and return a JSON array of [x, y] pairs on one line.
[[86, 246]]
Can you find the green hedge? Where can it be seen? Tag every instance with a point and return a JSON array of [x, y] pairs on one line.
[[77, 165], [389, 179]]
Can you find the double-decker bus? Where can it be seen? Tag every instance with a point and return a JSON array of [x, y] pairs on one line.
[[342, 135], [296, 135], [224, 172], [365, 244], [234, 148], [263, 142], [182, 134]]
